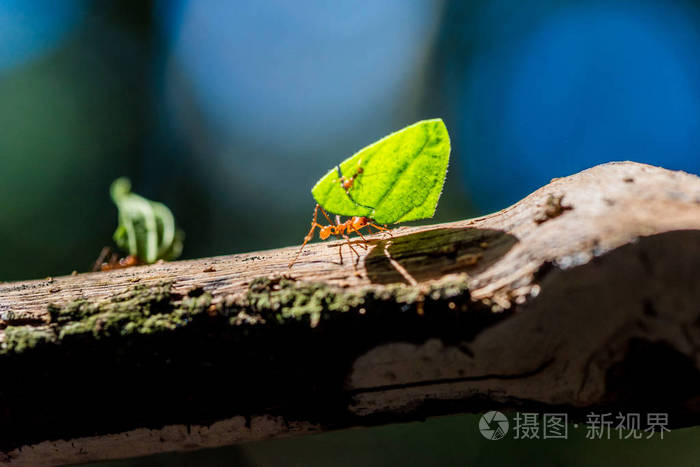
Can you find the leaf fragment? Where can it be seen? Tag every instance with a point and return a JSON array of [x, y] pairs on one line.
[[396, 179], [146, 228]]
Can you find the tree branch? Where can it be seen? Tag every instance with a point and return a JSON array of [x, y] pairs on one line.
[[582, 296]]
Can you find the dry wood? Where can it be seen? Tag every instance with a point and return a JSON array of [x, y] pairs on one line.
[[583, 295]]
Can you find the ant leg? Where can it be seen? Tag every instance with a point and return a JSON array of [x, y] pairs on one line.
[[383, 229], [352, 229], [97, 266], [309, 235], [378, 227], [340, 247], [347, 239], [326, 216], [336, 224], [357, 231]]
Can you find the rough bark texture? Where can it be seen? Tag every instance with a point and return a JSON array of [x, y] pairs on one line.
[[582, 296]]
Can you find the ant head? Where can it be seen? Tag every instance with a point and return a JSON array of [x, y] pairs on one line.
[[325, 232]]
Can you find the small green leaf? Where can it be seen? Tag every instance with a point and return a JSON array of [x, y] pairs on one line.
[[399, 178], [146, 228]]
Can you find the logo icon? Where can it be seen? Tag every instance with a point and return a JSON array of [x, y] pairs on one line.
[[493, 425]]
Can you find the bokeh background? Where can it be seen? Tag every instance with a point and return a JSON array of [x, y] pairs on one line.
[[229, 111]]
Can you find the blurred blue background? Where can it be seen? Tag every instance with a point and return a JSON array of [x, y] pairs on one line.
[[229, 111]]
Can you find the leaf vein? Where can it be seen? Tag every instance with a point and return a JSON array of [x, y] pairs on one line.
[[401, 174]]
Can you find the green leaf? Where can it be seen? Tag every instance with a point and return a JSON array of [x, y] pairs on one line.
[[146, 228], [399, 178]]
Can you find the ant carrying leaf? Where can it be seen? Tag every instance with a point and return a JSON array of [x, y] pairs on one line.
[[396, 179]]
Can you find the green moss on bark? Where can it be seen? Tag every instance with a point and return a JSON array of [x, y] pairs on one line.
[[282, 299], [19, 339], [144, 310]]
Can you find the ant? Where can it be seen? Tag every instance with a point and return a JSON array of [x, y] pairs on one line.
[[348, 183], [108, 260], [354, 224]]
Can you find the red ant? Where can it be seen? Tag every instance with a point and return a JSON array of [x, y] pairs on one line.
[[108, 262], [347, 183], [354, 224]]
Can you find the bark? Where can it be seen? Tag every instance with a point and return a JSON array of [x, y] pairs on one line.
[[582, 296]]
